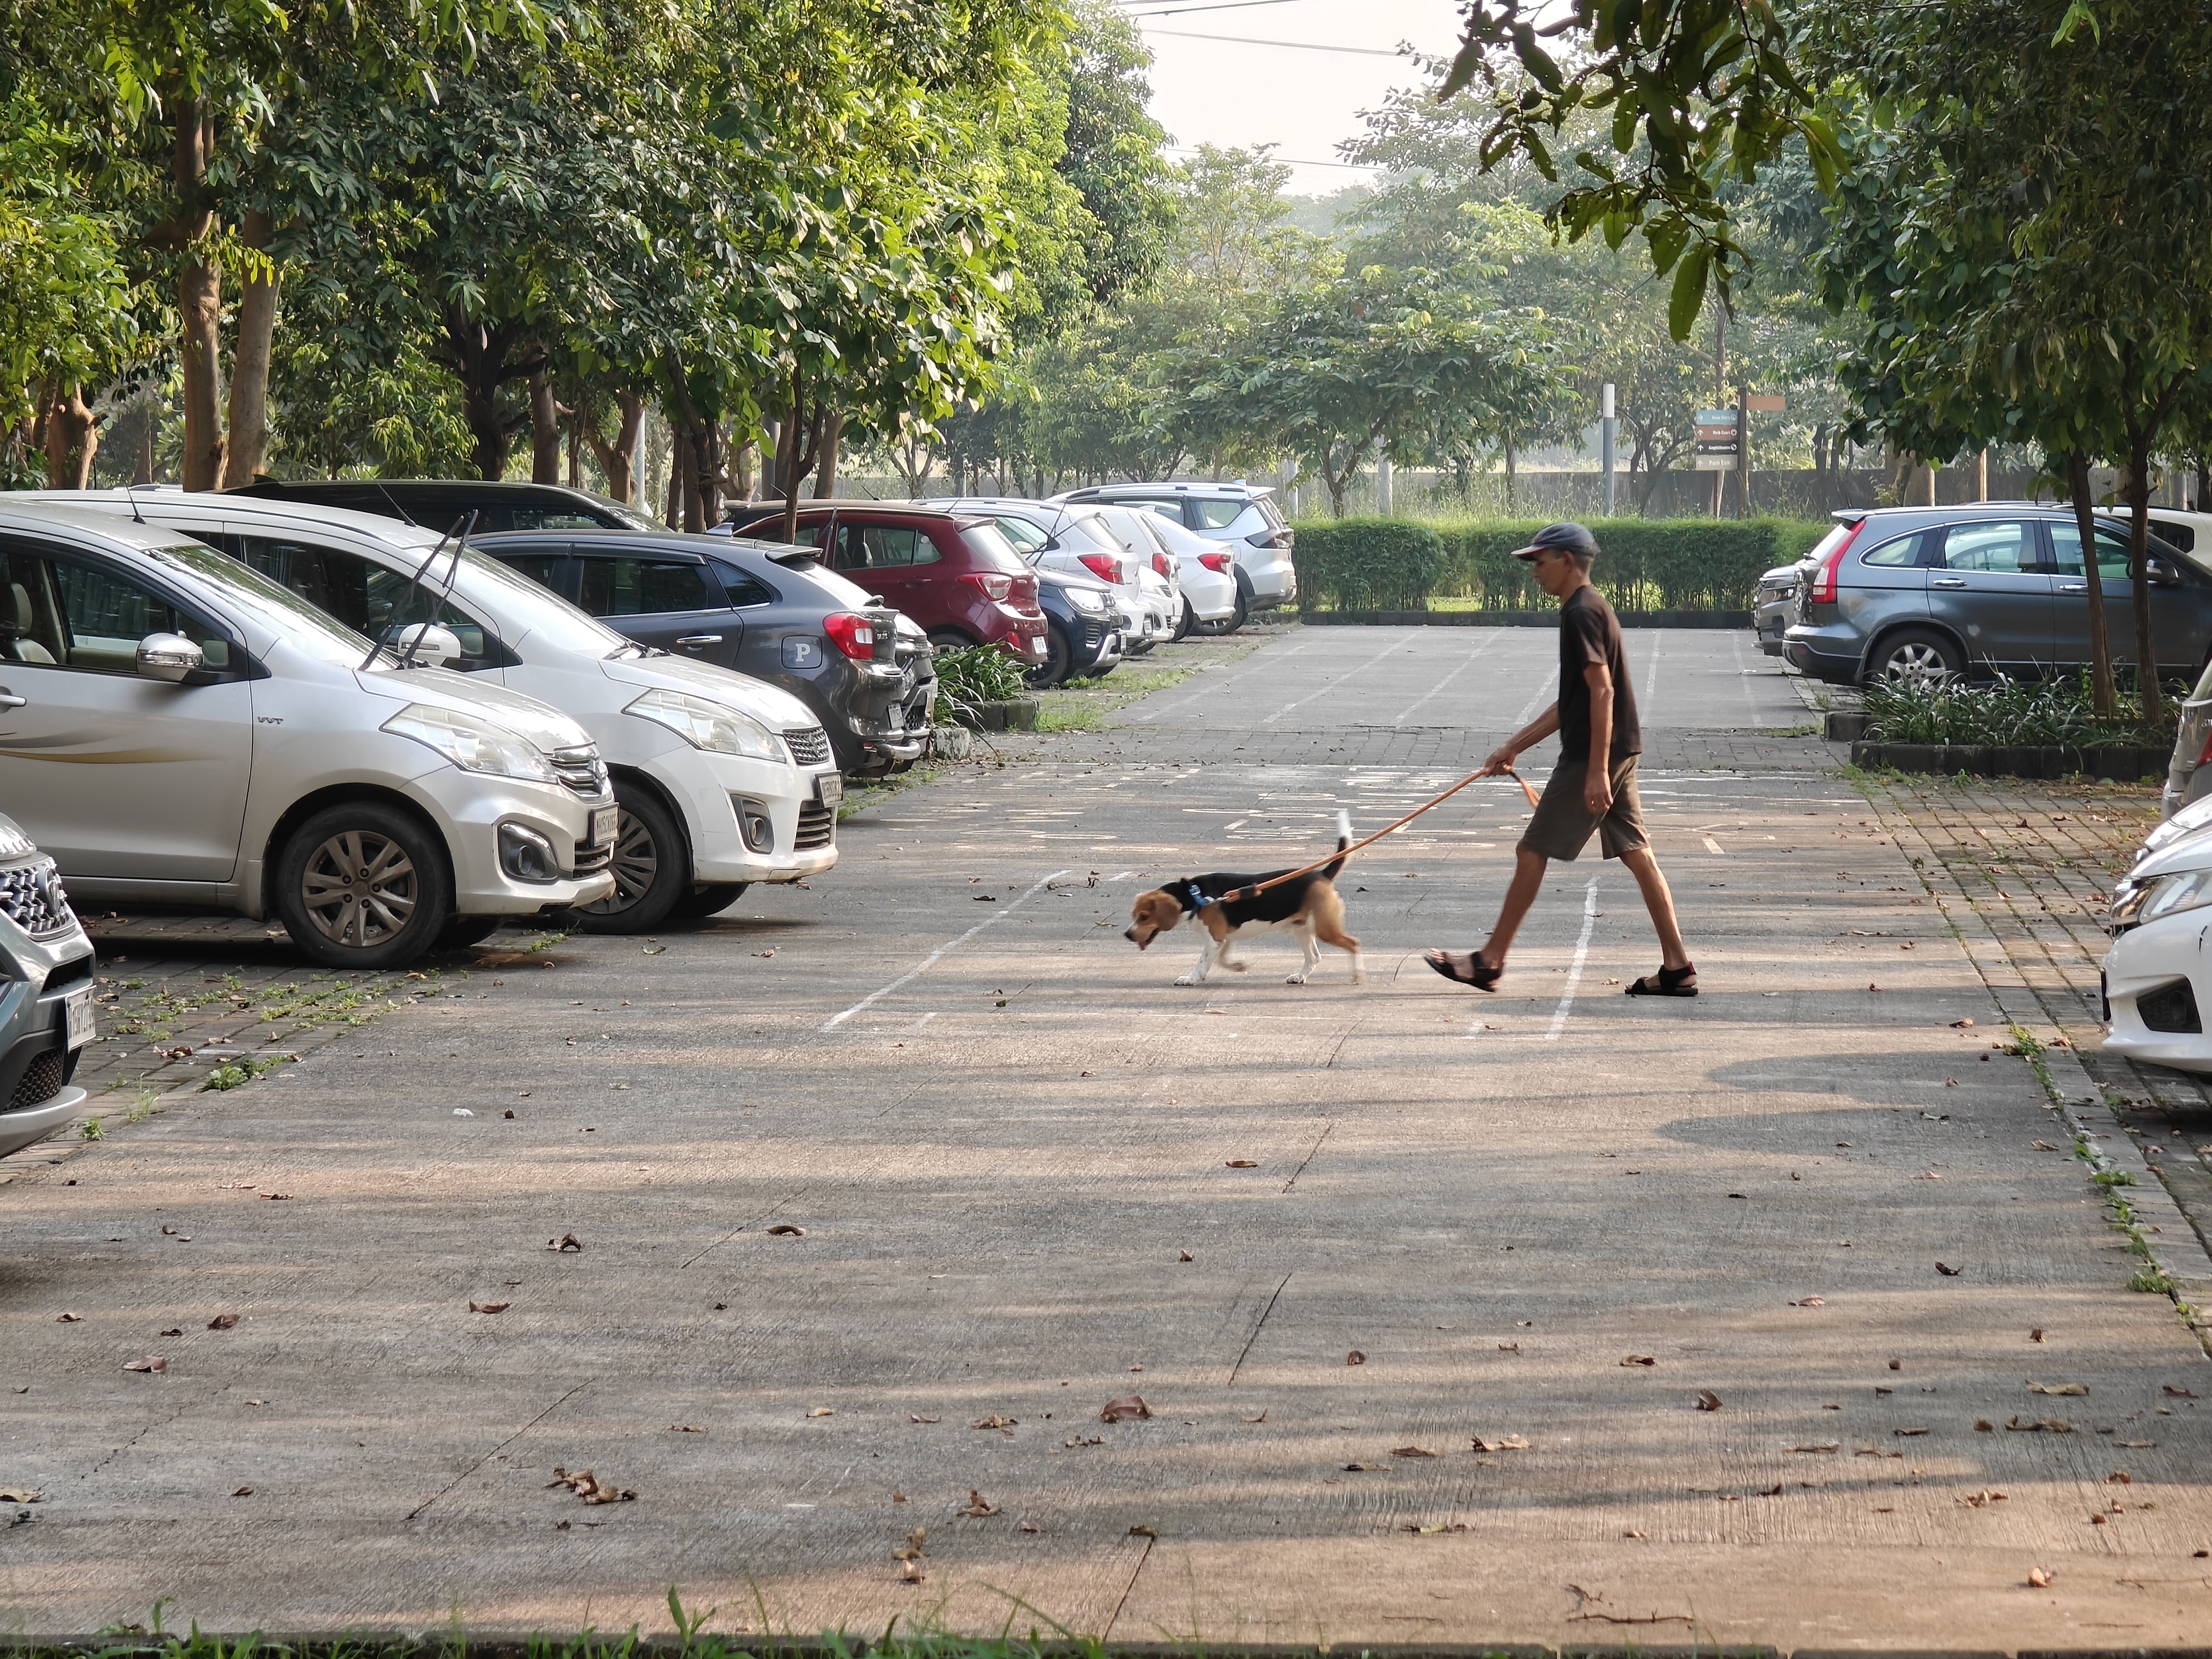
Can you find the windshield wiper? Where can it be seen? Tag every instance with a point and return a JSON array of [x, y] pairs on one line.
[[406, 660]]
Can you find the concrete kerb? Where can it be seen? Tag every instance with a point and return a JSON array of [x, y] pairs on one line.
[[540, 1645]]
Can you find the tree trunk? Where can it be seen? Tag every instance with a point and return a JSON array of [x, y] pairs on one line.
[[72, 441], [2138, 497], [199, 305], [2100, 644], [825, 474], [479, 355], [248, 451], [544, 429], [150, 421], [615, 460], [674, 516]]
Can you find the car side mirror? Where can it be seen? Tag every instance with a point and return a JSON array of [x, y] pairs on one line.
[[434, 646], [2162, 573], [169, 657]]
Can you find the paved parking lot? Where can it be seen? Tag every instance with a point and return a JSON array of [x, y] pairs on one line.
[[881, 1192]]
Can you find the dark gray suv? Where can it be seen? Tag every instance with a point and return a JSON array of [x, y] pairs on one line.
[[1922, 592]]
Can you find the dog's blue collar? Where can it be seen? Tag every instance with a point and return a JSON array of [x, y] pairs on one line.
[[1199, 901]]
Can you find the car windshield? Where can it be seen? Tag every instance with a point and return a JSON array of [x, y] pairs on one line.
[[1026, 537], [542, 612], [279, 610], [631, 518]]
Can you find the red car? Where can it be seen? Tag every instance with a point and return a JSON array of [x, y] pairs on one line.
[[953, 573]]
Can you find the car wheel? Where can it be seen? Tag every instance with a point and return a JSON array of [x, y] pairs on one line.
[[1186, 621], [462, 931], [364, 885], [652, 867], [951, 639], [710, 899], [1053, 669], [1918, 655]]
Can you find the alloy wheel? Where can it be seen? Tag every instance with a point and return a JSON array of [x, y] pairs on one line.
[[636, 864], [360, 889], [1919, 663]]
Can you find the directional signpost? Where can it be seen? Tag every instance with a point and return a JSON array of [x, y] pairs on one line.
[[1724, 442]]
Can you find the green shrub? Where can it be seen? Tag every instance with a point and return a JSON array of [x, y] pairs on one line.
[[2003, 714], [980, 674], [1368, 564], [1645, 564]]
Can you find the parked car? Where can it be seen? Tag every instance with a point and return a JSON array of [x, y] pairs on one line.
[[721, 780], [1084, 636], [2188, 776], [2154, 1001], [45, 994], [1924, 592], [952, 572], [438, 503], [1076, 542], [175, 728], [1241, 516], [762, 608], [1213, 601], [1158, 574]]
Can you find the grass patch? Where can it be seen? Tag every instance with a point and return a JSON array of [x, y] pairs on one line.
[[2005, 713]]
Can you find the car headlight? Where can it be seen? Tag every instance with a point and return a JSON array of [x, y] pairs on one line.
[[473, 743], [2162, 896], [705, 725], [1085, 598], [15, 844]]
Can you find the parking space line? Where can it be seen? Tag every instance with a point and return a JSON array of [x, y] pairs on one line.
[[1651, 678], [1712, 846], [1575, 967], [938, 954], [1328, 686], [1544, 694], [1494, 634], [1266, 662]]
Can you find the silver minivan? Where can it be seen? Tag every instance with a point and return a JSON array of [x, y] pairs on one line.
[[45, 994], [177, 729]]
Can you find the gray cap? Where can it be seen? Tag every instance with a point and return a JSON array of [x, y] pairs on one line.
[[1568, 537]]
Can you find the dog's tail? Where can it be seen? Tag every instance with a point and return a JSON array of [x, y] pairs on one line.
[[1343, 840]]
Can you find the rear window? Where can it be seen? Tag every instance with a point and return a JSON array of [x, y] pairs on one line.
[[1266, 505], [1217, 515], [1903, 552], [2181, 535], [1021, 534], [991, 548], [1826, 545]]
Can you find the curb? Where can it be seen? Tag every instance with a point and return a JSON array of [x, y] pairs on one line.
[[438, 1643], [1516, 618], [2121, 763]]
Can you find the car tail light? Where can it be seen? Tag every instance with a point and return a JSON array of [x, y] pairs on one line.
[[1220, 561], [1161, 568], [1270, 538], [1104, 566], [1824, 579], [2204, 755], [994, 588], [854, 636], [1025, 591]]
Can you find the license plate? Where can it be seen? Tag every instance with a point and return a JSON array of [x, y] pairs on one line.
[[77, 1011], [829, 788], [603, 824]]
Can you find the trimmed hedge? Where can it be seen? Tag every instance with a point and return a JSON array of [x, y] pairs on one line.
[[1647, 564], [1368, 564]]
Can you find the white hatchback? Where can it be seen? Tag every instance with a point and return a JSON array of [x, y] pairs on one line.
[[723, 780], [177, 729]]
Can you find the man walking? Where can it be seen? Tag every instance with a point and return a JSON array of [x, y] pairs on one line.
[[1593, 786]]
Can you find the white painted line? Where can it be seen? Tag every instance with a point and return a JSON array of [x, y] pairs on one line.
[[1575, 967], [1544, 694], [936, 956], [1335, 685], [1448, 678], [1208, 690], [1735, 643], [1651, 678], [1712, 846]]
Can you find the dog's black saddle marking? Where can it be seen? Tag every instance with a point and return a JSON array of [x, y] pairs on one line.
[[1195, 893]]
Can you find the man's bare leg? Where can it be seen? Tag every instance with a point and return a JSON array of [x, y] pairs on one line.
[[1519, 894], [1657, 899]]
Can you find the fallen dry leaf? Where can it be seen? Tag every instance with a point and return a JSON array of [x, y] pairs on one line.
[[1188, 1256], [899, 1496], [1810, 1302], [1084, 1440], [19, 1494], [1634, 1533], [824, 1411], [977, 1505], [914, 1540], [589, 1488], [911, 1572], [490, 1307], [1908, 1433], [2179, 1394], [1355, 1468], [1243, 1163], [994, 1422], [1949, 1272], [1140, 1530], [1411, 1451], [916, 1417], [2135, 1445], [174, 1330], [2036, 1335], [566, 1242], [1983, 1426], [2039, 1578], [1962, 1025], [2043, 1147], [1031, 1525], [278, 1197], [2051, 1424], [1639, 1359], [150, 1363], [1509, 1442], [223, 1322], [1819, 1446], [685, 1428], [786, 1229], [68, 1319], [2059, 1388], [1128, 1406], [1708, 1401], [243, 1491], [2119, 1478], [1355, 1358]]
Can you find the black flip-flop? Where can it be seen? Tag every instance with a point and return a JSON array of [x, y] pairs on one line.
[[1667, 982], [1479, 974]]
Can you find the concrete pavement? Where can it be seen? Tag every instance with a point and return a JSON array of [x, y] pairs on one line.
[[1002, 1130]]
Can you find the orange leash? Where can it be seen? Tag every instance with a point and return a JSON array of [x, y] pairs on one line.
[[1243, 893]]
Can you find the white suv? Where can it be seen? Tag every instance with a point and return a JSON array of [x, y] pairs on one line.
[[723, 780], [177, 729], [1242, 517]]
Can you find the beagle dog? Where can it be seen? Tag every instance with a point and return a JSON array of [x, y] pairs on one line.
[[1309, 907]]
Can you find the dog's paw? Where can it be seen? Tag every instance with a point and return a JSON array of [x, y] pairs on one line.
[[1187, 979], [1294, 979]]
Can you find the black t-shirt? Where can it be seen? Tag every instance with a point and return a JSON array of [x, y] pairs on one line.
[[1590, 633]]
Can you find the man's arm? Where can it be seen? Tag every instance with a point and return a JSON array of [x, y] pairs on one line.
[[1597, 784], [1527, 737]]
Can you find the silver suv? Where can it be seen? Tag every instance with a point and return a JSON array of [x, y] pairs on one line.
[[1924, 592], [45, 994], [1242, 517]]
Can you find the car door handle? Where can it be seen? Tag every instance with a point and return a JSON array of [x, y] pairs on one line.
[[9, 699], [2073, 587], [1946, 582], [701, 639]]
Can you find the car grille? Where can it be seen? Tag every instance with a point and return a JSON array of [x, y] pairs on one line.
[[31, 897], [582, 770], [590, 859], [817, 826], [809, 747], [42, 1083]]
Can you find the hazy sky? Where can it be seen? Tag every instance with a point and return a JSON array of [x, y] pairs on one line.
[[1217, 92]]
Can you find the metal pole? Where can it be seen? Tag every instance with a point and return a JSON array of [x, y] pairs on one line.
[[1608, 426], [1981, 475], [1742, 452], [1382, 484], [1720, 389]]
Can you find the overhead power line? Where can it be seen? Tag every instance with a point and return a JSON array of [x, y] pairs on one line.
[[1293, 45]]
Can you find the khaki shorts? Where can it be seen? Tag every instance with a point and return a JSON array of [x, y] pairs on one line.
[[1562, 824]]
